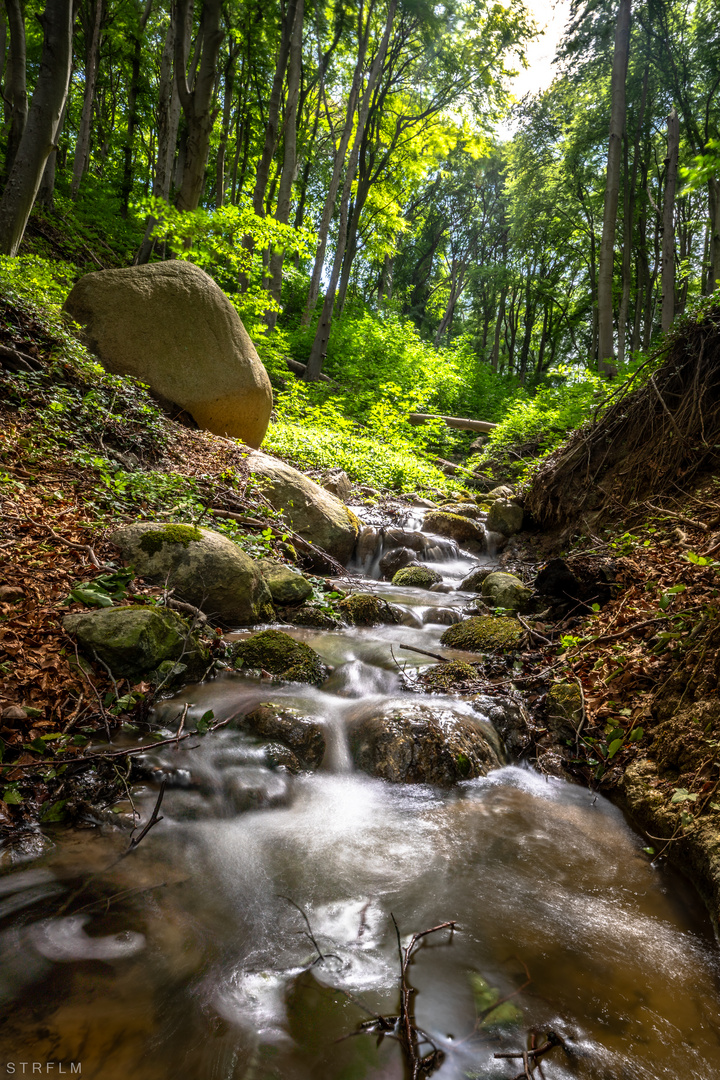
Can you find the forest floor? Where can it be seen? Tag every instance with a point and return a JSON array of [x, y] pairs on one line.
[[646, 662]]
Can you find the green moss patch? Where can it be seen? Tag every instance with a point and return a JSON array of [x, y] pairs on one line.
[[281, 655], [444, 677], [420, 576], [483, 633], [154, 539]]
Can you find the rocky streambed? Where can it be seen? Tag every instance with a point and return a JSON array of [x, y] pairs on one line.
[[252, 933]]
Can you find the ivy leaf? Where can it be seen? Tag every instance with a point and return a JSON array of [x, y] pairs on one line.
[[683, 795]]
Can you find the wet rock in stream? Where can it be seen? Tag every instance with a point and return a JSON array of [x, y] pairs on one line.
[[470, 534], [419, 576], [396, 559], [484, 633], [421, 744], [364, 609], [506, 591], [301, 734]]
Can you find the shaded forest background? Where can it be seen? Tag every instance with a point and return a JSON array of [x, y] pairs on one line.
[[335, 166]]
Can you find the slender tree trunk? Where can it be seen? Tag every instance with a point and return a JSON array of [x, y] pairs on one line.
[[228, 88], [628, 222], [40, 131], [92, 56], [3, 50], [46, 191], [495, 357], [612, 190], [289, 164], [338, 163], [15, 80], [132, 108], [197, 103], [272, 127], [322, 334], [714, 246], [668, 241]]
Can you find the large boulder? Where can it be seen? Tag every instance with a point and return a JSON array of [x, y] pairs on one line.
[[505, 591], [171, 326], [317, 515], [505, 517], [286, 586], [421, 744], [134, 641], [203, 568]]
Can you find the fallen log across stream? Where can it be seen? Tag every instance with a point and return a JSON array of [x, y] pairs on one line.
[[464, 424]]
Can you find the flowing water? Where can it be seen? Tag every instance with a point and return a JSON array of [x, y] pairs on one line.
[[188, 959]]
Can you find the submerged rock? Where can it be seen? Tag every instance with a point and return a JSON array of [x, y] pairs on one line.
[[301, 734], [420, 576], [203, 567], [396, 559], [505, 591], [134, 641], [483, 633], [279, 654], [505, 517], [248, 788], [421, 744], [364, 609], [463, 530], [286, 586]]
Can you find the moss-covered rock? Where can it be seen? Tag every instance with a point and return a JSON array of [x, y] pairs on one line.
[[483, 633], [420, 576], [152, 541], [443, 677], [208, 570], [461, 529], [420, 744], [505, 591], [364, 609], [134, 641], [307, 615], [286, 586], [564, 710], [279, 654], [474, 581], [301, 734], [466, 509], [505, 517]]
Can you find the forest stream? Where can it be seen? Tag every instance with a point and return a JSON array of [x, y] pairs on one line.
[[250, 935]]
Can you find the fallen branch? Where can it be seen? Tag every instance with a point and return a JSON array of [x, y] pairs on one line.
[[425, 652]]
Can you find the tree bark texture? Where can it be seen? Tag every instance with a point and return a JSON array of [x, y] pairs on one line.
[[197, 102], [272, 126], [668, 241], [289, 164], [92, 56], [41, 129], [612, 190], [15, 79]]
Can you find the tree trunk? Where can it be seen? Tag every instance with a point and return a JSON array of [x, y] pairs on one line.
[[322, 334], [714, 245], [289, 165], [133, 92], [46, 191], [197, 103], [668, 241], [42, 124], [495, 358], [272, 127], [225, 131], [339, 161], [92, 56], [15, 80], [612, 190], [629, 220]]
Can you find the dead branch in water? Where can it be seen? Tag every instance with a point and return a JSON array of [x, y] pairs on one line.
[[531, 1058]]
